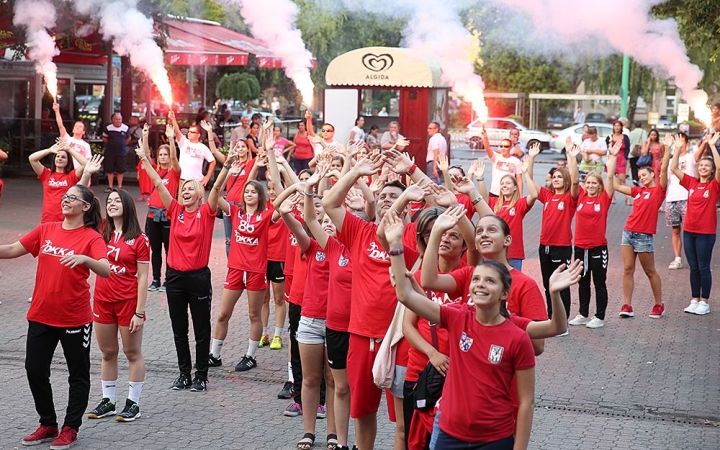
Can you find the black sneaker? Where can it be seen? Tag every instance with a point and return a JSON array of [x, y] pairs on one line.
[[214, 362], [287, 391], [199, 385], [182, 382], [163, 288], [130, 412], [104, 409], [245, 364], [154, 286]]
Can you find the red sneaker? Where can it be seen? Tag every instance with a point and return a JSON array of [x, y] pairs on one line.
[[657, 311], [626, 311], [44, 433], [67, 438]]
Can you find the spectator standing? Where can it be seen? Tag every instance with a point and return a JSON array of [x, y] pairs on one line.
[[357, 134], [638, 135], [192, 154], [241, 131], [518, 149], [437, 147], [503, 164], [372, 140], [76, 140], [275, 106], [579, 116], [391, 136], [116, 137], [303, 153]]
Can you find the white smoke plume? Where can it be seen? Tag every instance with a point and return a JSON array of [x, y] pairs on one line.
[[273, 22], [37, 16]]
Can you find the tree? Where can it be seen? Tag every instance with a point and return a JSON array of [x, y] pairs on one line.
[[238, 86]]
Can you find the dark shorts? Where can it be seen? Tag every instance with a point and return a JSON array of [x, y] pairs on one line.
[[275, 271], [115, 163], [337, 348]]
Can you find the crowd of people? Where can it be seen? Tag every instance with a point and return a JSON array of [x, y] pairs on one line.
[[395, 280]]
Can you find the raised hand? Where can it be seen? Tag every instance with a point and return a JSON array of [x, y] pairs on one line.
[[714, 139], [232, 157], [169, 132], [443, 197], [171, 115], [526, 164], [377, 185], [94, 164], [369, 165], [308, 114], [414, 193], [449, 218], [401, 143], [207, 126], [268, 123], [140, 152], [574, 151], [668, 141], [56, 108], [261, 159], [355, 200], [563, 277], [678, 141], [269, 142], [462, 184], [534, 149], [442, 163], [394, 227], [568, 145], [290, 203], [397, 162], [320, 171], [477, 168]]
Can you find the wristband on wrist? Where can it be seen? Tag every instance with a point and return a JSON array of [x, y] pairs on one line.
[[397, 252], [140, 315], [412, 169], [480, 178], [308, 194], [477, 200]]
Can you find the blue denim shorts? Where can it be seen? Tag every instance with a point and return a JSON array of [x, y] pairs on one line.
[[640, 242]]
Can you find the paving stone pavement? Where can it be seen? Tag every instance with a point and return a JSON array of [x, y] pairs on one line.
[[634, 384]]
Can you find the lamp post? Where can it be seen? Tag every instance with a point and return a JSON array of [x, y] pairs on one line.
[[625, 86]]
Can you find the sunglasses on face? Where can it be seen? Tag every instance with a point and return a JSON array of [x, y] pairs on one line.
[[327, 130], [72, 198], [504, 146]]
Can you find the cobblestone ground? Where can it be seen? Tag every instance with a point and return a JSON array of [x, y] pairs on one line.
[[635, 384]]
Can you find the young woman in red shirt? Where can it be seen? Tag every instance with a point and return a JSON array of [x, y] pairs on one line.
[[639, 231], [67, 252], [700, 228], [188, 277], [119, 305], [594, 203]]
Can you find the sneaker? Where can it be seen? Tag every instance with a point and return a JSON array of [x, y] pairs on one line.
[[566, 333], [130, 412], [104, 409], [321, 412], [245, 364], [67, 438], [276, 343], [676, 264], [163, 288], [293, 410], [287, 391], [595, 323], [691, 307], [626, 311], [264, 340], [154, 286], [214, 362], [702, 308], [658, 311], [199, 385], [579, 320], [44, 433], [182, 382]]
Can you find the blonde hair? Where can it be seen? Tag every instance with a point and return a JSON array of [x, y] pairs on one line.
[[599, 178], [198, 188], [513, 198]]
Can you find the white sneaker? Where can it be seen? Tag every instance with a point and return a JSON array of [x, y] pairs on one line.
[[676, 264], [702, 308], [579, 320], [692, 307], [563, 334], [595, 323]]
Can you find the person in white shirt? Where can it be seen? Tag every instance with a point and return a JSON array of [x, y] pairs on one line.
[[76, 140], [437, 146], [592, 151], [383, 112], [192, 153], [579, 116], [391, 136], [503, 164], [241, 131], [357, 134], [518, 149]]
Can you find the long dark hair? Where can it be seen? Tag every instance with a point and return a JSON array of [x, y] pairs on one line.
[[262, 195], [130, 227], [505, 279], [91, 217], [70, 164], [426, 216]]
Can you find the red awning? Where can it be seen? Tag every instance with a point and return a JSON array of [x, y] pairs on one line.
[[186, 49]]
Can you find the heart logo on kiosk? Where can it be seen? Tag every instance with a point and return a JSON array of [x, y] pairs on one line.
[[377, 63]]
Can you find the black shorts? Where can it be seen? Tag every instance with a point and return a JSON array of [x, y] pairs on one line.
[[115, 163], [275, 271], [337, 348]]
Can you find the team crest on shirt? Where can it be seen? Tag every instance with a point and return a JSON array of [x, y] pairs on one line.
[[691, 192], [580, 207], [131, 242], [343, 261], [198, 215], [706, 194], [512, 211], [465, 342], [181, 217], [495, 354], [319, 256], [646, 195], [561, 206], [597, 207]]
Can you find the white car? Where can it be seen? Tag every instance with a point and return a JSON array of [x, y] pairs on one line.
[[499, 129], [575, 132]]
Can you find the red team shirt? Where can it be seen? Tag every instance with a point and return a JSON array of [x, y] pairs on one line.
[[277, 239], [171, 181], [249, 240], [591, 220], [701, 217], [558, 211], [297, 288], [644, 215], [190, 237], [124, 257], [485, 357], [514, 216], [339, 285], [55, 184], [61, 297], [315, 295]]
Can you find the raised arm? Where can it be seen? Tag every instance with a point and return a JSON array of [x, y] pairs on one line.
[[562, 278], [309, 205], [211, 141], [532, 153], [58, 119], [666, 161], [571, 152], [92, 166], [309, 123], [39, 155], [531, 186], [165, 196], [215, 193], [465, 186], [429, 276], [716, 155], [486, 143], [611, 166], [176, 127], [170, 133], [286, 209], [370, 209]]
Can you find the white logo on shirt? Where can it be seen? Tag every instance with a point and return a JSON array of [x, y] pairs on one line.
[[118, 270], [512, 211], [247, 240], [597, 207], [375, 253], [561, 206], [50, 249], [53, 183], [495, 354]]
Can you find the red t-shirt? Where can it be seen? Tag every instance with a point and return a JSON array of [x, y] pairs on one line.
[[644, 215], [410, 236], [171, 181], [486, 358], [124, 257], [591, 220], [524, 298], [466, 201], [373, 299], [514, 216], [701, 217], [291, 249], [249, 240], [558, 211], [235, 186], [314, 303], [277, 239], [297, 290], [55, 185], [339, 285], [190, 237], [61, 297]]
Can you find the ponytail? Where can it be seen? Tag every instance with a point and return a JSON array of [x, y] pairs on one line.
[[92, 217]]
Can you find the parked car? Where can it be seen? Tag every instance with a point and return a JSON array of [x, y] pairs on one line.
[[499, 129], [557, 143], [596, 117], [665, 123]]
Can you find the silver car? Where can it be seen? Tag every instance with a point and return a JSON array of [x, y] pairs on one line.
[[499, 129], [557, 143]]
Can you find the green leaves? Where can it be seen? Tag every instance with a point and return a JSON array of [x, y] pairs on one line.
[[238, 86]]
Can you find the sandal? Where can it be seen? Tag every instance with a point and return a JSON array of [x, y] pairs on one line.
[[332, 445], [108, 190], [305, 445]]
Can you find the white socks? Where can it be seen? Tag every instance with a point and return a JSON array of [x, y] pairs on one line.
[[108, 389], [135, 391], [278, 331], [252, 348], [290, 375], [264, 331], [216, 347]]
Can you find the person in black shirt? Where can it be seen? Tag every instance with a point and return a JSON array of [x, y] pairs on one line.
[[116, 137]]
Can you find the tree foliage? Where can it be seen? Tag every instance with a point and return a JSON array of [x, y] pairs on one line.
[[238, 86]]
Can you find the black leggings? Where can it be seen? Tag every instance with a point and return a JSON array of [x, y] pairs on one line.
[[158, 234], [42, 340], [595, 264], [552, 257], [191, 289]]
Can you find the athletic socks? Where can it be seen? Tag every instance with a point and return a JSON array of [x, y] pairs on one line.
[[135, 391], [252, 348], [108, 389], [216, 347], [278, 331], [264, 331], [290, 375]]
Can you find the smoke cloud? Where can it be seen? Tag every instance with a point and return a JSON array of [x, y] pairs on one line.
[[37, 16]]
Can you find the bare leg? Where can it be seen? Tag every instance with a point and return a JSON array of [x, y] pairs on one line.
[[120, 180], [132, 347], [280, 306], [647, 261], [677, 241], [255, 304], [399, 424], [342, 405], [106, 335], [628, 257], [227, 304], [266, 309], [111, 180], [312, 357], [365, 431]]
